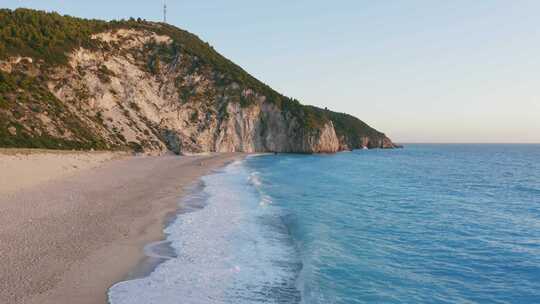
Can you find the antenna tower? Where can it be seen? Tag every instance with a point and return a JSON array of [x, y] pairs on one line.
[[164, 12]]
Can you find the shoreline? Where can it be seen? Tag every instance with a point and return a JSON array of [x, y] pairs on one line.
[[159, 251], [69, 239], [235, 245]]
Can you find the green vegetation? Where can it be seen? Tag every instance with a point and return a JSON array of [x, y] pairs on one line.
[[352, 128], [23, 99], [136, 147], [105, 74], [46, 36], [49, 37]]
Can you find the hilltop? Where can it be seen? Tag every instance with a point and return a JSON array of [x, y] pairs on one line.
[[72, 83]]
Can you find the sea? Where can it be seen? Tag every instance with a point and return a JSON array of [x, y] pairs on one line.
[[430, 223]]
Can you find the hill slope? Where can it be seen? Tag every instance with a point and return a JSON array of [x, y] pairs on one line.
[[70, 83]]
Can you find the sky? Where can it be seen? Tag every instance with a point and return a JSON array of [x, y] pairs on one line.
[[419, 71]]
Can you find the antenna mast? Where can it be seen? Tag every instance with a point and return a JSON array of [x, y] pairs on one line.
[[164, 12]]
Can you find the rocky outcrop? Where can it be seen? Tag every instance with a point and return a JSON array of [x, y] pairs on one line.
[[143, 90]]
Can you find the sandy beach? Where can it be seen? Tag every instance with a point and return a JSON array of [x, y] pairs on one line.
[[23, 168], [73, 224]]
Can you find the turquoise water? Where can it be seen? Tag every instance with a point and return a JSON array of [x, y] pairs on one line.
[[425, 224]]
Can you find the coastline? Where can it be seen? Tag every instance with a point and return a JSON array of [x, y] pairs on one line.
[[235, 247], [160, 250], [68, 239]]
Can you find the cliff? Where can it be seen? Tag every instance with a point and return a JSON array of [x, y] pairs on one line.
[[70, 83]]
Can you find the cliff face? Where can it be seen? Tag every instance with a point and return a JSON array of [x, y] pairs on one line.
[[140, 87]]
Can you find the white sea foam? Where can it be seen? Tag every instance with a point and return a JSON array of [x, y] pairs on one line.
[[255, 179], [234, 250], [258, 154], [154, 250]]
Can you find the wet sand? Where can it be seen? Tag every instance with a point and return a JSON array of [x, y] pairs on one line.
[[68, 239]]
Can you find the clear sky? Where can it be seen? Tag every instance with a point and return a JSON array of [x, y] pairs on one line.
[[420, 71]]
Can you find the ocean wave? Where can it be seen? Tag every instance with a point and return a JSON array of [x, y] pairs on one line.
[[258, 155], [234, 249], [255, 179]]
